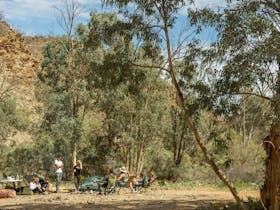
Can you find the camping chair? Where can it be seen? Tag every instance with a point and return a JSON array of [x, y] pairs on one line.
[[142, 187], [125, 186], [111, 187]]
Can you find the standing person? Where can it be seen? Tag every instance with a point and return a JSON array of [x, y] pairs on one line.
[[77, 174], [58, 171]]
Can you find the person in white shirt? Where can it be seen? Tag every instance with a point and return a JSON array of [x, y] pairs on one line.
[[35, 186], [58, 171]]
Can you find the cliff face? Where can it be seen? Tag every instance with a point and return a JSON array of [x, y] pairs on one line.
[[18, 75], [34, 45]]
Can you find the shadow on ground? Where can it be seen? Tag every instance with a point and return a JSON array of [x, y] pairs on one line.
[[124, 204]]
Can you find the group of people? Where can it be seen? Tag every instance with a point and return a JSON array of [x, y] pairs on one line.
[[141, 180], [58, 173], [43, 185], [40, 186], [124, 180]]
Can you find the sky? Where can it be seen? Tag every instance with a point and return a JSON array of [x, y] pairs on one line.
[[39, 17]]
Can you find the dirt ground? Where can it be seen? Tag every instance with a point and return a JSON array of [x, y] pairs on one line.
[[199, 198]]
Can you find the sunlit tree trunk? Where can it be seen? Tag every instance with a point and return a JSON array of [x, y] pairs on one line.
[[189, 122], [140, 151], [74, 157], [68, 14], [270, 193]]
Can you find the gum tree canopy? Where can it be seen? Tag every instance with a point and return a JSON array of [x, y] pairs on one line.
[[153, 20], [248, 46]]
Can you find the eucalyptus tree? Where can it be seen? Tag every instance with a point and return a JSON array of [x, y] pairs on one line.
[[79, 73], [65, 96], [151, 105], [178, 139], [68, 13], [133, 120], [63, 74], [248, 46], [12, 122], [179, 136], [154, 19], [127, 92]]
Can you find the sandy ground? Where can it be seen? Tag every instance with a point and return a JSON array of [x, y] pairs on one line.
[[200, 198]]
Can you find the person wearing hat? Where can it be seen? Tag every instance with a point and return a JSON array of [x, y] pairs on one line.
[[123, 177]]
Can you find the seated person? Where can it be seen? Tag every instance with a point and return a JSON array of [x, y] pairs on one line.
[[123, 177], [23, 184], [137, 181], [45, 184], [104, 182], [35, 186], [152, 177], [18, 188]]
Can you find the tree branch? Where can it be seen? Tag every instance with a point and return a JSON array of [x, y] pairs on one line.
[[246, 93], [150, 66]]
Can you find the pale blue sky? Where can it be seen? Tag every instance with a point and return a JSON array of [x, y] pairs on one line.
[[38, 17]]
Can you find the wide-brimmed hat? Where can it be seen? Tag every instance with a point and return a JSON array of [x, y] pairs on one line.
[[123, 169]]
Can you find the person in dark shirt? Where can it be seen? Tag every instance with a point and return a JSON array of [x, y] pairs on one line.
[[45, 184], [103, 183], [77, 174]]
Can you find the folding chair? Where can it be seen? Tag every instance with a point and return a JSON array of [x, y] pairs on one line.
[[142, 187], [111, 187], [124, 185]]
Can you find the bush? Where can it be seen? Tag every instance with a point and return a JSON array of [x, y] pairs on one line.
[[247, 161]]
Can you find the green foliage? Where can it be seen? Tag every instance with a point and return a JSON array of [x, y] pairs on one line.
[[28, 159], [12, 119], [8, 117], [242, 159], [147, 17], [253, 204], [247, 160], [246, 46], [109, 40], [20, 160], [43, 151], [65, 88], [159, 160]]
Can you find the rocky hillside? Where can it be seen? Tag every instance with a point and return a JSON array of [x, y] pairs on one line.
[[34, 44], [18, 75]]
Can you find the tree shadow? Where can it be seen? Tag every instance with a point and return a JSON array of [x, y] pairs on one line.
[[200, 204]]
